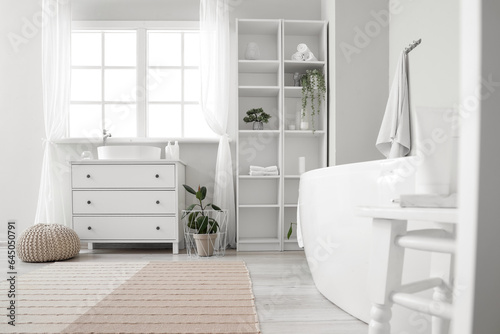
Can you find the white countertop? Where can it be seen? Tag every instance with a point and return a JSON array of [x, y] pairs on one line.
[[442, 215], [126, 162]]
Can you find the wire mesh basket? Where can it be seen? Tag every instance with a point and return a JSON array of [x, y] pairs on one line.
[[204, 244]]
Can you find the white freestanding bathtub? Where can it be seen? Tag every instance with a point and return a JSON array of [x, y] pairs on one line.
[[337, 242]]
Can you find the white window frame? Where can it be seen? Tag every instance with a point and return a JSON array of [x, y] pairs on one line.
[[142, 67]]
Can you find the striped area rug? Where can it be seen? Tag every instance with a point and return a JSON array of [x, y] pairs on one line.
[[148, 297]]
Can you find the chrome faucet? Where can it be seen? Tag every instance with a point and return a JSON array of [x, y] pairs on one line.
[[105, 136]]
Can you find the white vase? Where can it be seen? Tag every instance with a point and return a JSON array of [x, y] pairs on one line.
[[304, 125]]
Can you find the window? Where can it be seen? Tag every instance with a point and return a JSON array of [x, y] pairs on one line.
[[136, 82]]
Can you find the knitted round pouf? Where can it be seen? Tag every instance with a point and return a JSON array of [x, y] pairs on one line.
[[47, 242]]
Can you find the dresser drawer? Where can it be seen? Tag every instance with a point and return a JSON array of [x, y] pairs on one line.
[[115, 228], [124, 202], [123, 176]]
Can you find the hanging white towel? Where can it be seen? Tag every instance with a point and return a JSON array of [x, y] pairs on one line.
[[394, 137]]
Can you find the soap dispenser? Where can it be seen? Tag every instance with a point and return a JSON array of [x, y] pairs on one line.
[[175, 151], [168, 152]]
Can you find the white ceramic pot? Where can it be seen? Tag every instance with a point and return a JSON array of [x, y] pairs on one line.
[[205, 243]]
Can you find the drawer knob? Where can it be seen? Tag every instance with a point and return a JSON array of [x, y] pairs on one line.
[[88, 176], [157, 227], [157, 175], [89, 228], [89, 202], [157, 202]]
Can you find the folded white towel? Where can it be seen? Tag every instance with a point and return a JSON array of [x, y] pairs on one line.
[[255, 173], [394, 137], [264, 169], [428, 201]]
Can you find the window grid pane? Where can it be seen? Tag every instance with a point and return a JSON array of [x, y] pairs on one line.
[[105, 74]]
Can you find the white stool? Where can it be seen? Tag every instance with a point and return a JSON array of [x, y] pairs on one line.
[[390, 238]]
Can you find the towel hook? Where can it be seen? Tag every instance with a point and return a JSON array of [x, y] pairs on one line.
[[413, 45]]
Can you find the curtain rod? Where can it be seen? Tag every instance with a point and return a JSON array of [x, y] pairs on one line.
[[413, 46]]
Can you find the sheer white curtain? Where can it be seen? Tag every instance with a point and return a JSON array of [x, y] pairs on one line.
[[56, 37], [214, 68]]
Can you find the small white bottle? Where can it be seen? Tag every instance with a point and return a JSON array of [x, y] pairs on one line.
[[168, 152], [175, 151]]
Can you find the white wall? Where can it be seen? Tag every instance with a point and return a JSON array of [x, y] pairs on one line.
[[358, 78], [21, 122], [434, 64], [134, 10], [21, 116]]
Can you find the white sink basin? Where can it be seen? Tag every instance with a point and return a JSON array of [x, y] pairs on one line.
[[128, 152]]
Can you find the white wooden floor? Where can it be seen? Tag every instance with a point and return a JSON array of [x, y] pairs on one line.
[[287, 300]]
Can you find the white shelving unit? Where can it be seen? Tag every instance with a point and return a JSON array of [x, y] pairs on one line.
[[267, 204]]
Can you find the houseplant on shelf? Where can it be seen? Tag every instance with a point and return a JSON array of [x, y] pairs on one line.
[[257, 116], [201, 221], [313, 91]]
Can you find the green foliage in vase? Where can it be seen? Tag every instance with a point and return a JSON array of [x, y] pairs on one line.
[[198, 218], [313, 90], [256, 115]]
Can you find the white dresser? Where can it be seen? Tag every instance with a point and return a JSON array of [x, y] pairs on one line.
[[128, 201]]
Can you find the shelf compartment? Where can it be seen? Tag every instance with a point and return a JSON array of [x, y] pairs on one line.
[[259, 244], [268, 190], [263, 32], [257, 223], [300, 146], [256, 79], [258, 91], [270, 105], [312, 33], [261, 150], [258, 66], [291, 193]]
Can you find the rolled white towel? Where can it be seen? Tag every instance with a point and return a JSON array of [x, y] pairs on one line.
[[264, 169], [255, 173], [298, 56], [302, 48]]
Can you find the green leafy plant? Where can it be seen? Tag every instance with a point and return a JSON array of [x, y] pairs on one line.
[[198, 218], [290, 230], [256, 115], [313, 90]]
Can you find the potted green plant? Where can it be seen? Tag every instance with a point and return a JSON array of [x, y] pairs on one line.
[[313, 91], [257, 116], [290, 230], [201, 222]]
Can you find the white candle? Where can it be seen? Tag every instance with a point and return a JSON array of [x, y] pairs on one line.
[[302, 165]]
